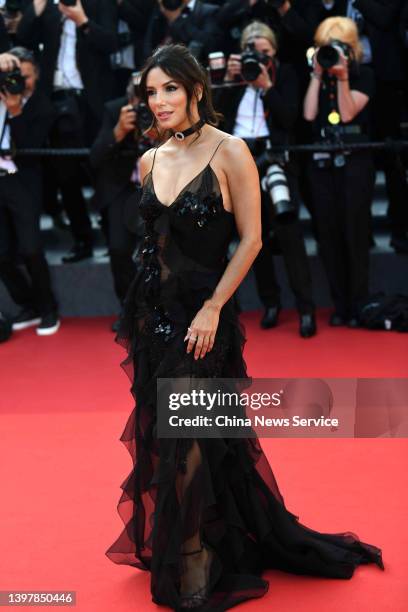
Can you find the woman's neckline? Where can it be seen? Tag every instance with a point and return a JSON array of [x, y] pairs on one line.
[[208, 165]]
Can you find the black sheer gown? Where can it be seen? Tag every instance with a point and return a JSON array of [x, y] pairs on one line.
[[224, 489]]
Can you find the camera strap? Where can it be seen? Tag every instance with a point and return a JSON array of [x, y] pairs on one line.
[[3, 122]]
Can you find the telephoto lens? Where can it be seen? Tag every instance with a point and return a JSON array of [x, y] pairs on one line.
[[275, 183], [328, 56]]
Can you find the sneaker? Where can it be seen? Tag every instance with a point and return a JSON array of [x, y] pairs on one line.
[[49, 324], [27, 317]]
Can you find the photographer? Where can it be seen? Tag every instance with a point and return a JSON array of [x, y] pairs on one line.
[[77, 39], [293, 22], [341, 183], [134, 16], [116, 180], [263, 112], [11, 12], [379, 23], [25, 119], [190, 22]]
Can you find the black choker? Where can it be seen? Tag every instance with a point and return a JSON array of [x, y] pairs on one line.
[[182, 135]]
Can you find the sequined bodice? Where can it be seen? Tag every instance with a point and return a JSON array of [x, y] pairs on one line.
[[196, 220]]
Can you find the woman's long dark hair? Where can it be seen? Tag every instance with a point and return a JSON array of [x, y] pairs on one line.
[[182, 66]]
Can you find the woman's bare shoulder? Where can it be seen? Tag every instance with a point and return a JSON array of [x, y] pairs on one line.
[[234, 151], [146, 160]]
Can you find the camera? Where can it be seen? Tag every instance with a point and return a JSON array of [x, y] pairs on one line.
[[144, 116], [329, 55], [276, 184], [12, 82], [172, 5], [272, 164], [251, 61]]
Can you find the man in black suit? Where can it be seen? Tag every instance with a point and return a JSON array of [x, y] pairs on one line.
[[25, 119], [75, 71], [117, 184], [193, 24]]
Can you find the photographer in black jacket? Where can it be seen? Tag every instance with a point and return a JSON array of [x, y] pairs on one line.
[[342, 182], [263, 112], [379, 23], [25, 119], [292, 21], [115, 155], [190, 22], [76, 74]]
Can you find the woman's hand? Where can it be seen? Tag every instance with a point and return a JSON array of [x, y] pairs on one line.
[[202, 330], [233, 67], [263, 81]]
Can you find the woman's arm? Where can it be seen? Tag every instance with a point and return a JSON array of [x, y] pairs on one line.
[[243, 182], [311, 101], [350, 102]]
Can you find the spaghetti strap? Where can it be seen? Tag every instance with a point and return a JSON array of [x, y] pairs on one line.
[[216, 148], [154, 157]]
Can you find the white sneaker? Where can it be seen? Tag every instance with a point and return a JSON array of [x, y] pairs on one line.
[[27, 317], [49, 324]]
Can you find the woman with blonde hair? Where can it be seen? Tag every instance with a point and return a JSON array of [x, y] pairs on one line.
[[341, 182]]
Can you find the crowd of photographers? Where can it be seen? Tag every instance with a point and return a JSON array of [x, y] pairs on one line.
[[282, 72]]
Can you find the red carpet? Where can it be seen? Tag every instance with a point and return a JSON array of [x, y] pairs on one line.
[[64, 403]]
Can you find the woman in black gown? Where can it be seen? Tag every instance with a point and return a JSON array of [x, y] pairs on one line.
[[204, 516]]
